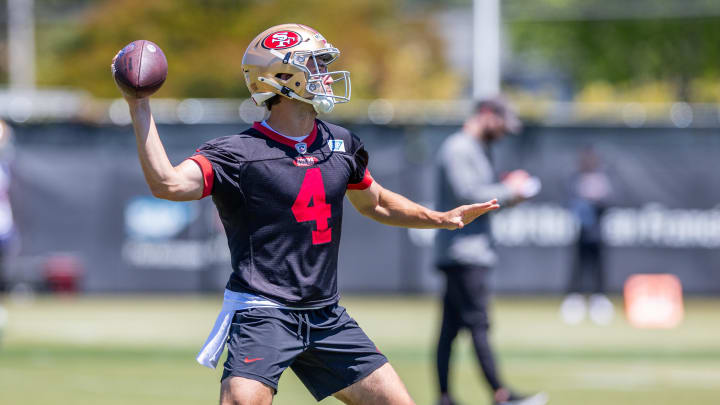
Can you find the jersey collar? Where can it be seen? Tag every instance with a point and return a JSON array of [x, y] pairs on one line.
[[286, 141]]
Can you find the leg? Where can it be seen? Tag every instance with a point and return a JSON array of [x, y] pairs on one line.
[[478, 302], [576, 271], [243, 391], [595, 262], [485, 356], [382, 387], [448, 331], [601, 309], [477, 318], [339, 356], [261, 345], [573, 307]]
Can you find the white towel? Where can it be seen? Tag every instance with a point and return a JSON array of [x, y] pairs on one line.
[[232, 301]]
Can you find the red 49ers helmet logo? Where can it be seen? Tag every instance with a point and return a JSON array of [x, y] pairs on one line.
[[281, 40]]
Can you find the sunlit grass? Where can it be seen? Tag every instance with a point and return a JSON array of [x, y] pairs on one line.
[[140, 350]]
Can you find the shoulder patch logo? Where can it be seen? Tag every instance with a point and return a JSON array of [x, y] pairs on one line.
[[336, 145]]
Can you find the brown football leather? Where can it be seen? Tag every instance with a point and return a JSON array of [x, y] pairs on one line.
[[140, 68]]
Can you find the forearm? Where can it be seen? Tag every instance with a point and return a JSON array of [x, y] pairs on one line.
[[394, 209], [160, 174]]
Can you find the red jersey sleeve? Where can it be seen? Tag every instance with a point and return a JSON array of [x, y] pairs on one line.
[[360, 178], [207, 173], [363, 184]]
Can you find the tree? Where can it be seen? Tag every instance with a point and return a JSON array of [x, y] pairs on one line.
[[387, 52], [626, 50]]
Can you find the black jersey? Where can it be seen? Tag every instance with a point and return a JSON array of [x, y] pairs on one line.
[[281, 204]]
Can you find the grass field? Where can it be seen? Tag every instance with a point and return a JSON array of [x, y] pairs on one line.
[[140, 350]]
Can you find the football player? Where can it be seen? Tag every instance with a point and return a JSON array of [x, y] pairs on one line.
[[279, 188]]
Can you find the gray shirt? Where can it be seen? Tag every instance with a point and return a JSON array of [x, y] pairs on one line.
[[466, 176]]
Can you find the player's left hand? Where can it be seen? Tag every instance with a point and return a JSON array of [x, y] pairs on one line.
[[464, 214]]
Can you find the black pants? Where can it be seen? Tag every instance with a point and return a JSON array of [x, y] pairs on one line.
[[588, 262], [465, 305]]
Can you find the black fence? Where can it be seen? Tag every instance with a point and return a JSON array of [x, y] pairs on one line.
[[78, 192]]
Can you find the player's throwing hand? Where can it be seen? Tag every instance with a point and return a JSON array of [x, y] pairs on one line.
[[464, 214]]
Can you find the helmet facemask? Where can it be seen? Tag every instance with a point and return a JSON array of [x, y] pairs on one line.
[[333, 86]]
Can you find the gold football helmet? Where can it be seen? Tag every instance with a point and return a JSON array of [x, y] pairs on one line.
[[291, 60]]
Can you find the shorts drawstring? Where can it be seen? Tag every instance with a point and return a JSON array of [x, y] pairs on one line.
[[307, 329], [303, 319]]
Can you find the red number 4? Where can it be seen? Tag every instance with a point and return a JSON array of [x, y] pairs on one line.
[[312, 191]]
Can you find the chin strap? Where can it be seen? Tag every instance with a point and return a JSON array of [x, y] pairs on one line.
[[321, 104]]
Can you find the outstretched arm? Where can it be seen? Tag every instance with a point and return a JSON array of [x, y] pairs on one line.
[[390, 208], [183, 182]]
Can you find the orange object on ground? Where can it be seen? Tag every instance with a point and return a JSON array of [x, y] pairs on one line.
[[653, 301]]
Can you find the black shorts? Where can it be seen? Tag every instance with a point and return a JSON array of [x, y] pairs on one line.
[[325, 348]]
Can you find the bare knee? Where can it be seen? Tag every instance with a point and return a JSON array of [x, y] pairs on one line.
[[244, 391], [381, 387], [343, 397]]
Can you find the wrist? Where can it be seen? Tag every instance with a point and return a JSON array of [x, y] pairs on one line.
[[135, 102], [139, 107], [437, 219]]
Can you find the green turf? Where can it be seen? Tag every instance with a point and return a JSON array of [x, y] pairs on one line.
[[140, 350]]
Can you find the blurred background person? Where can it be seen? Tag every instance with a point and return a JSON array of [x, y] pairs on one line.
[[7, 227], [465, 257], [590, 190]]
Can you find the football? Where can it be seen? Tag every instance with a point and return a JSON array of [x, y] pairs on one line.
[[140, 68]]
